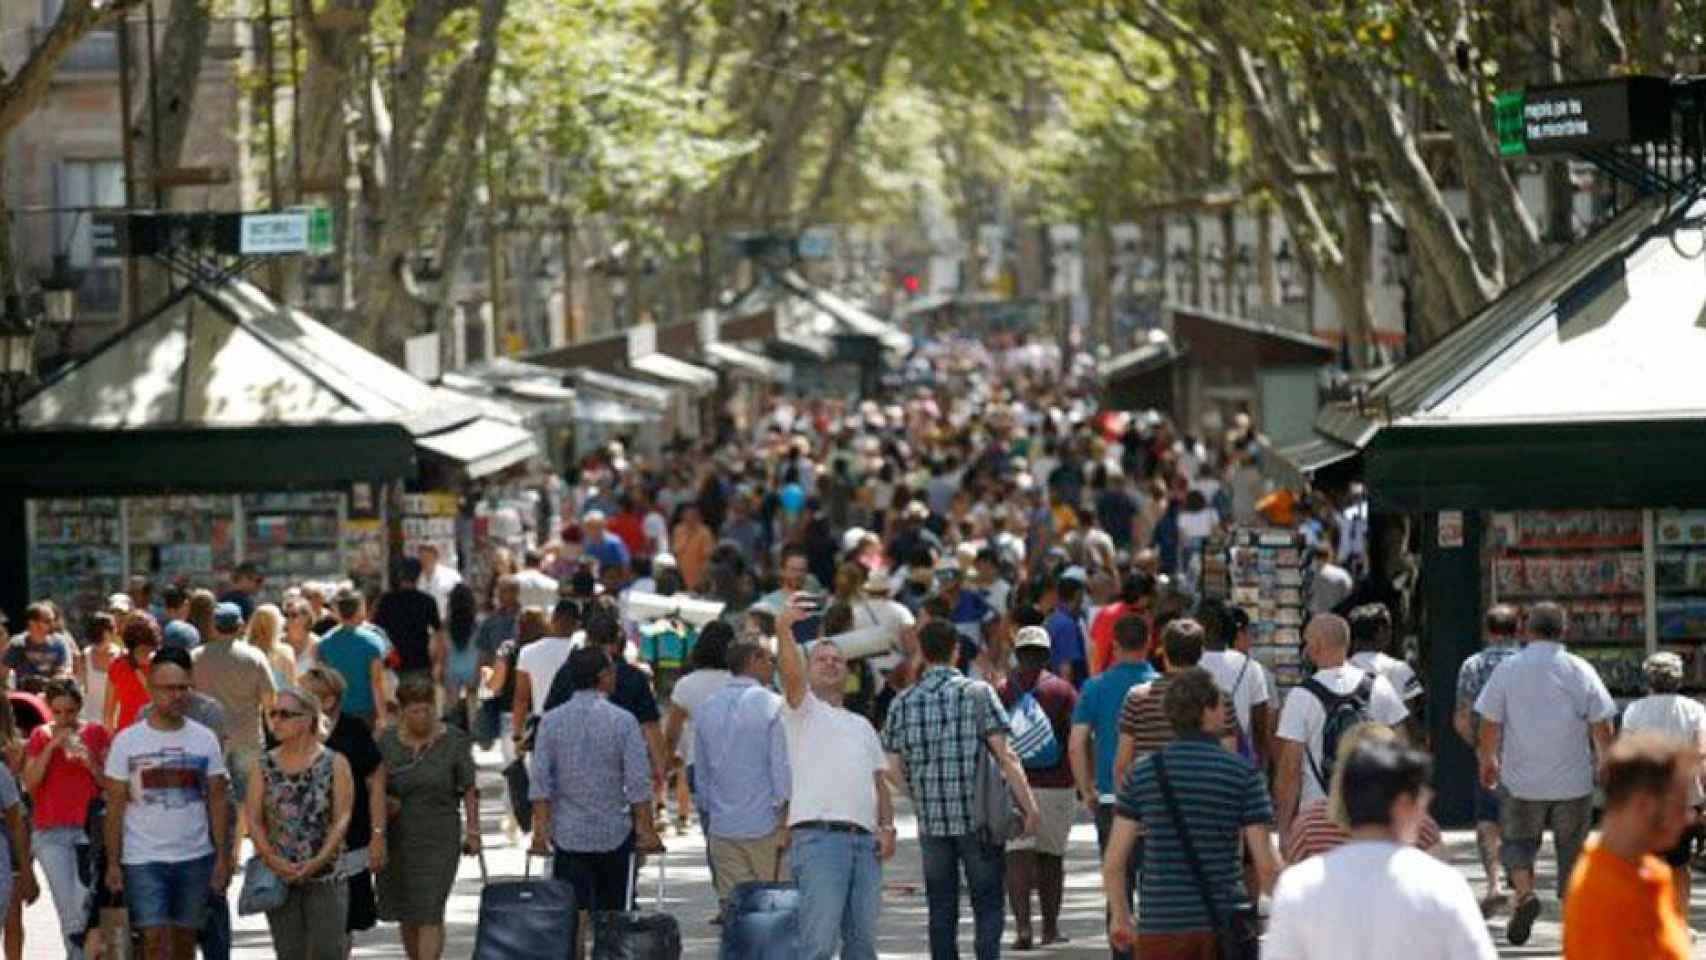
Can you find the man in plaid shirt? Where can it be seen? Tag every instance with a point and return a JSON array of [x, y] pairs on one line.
[[934, 737]]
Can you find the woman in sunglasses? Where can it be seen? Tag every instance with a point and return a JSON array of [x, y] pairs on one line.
[[301, 815]]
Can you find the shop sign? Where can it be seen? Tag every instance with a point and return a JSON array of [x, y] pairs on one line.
[[1450, 529], [1570, 117]]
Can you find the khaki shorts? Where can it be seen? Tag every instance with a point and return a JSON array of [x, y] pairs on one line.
[[1059, 808], [734, 862]]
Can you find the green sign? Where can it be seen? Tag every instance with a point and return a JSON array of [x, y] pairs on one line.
[[1507, 120], [320, 242]]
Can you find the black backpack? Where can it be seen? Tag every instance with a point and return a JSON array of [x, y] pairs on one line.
[[1343, 711]]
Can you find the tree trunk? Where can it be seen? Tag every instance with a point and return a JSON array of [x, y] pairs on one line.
[[1392, 146], [179, 60], [1484, 174]]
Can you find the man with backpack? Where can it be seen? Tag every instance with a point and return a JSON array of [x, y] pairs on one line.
[[1039, 711], [1338, 697]]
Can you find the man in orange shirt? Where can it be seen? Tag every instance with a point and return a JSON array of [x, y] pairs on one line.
[[1620, 902]]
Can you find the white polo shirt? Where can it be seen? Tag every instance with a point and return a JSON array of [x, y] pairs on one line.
[[834, 754]]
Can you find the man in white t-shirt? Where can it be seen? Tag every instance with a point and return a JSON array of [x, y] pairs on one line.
[[1302, 760], [1371, 637], [437, 578], [167, 813], [840, 815], [1239, 677], [1378, 896], [537, 664], [537, 588], [1545, 715]]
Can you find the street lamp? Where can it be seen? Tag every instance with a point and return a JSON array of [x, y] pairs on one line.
[[1179, 260], [1285, 265], [18, 324], [59, 299], [429, 277]]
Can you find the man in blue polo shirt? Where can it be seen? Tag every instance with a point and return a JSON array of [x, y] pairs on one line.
[[1095, 723]]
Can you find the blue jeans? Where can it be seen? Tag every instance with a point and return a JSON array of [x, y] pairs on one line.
[[56, 850], [944, 858], [168, 894], [840, 881]]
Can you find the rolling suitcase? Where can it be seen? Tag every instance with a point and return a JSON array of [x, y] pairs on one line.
[[762, 922], [637, 934], [526, 919]]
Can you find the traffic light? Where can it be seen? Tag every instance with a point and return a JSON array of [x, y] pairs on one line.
[[909, 283]]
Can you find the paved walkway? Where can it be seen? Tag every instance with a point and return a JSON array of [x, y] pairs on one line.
[[689, 897]]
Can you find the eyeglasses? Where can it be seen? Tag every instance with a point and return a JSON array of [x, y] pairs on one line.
[[277, 715]]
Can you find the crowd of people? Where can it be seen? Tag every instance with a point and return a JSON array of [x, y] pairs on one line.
[[989, 587]]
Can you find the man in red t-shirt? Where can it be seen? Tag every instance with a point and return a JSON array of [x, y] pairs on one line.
[[1038, 862], [629, 525], [61, 767], [1137, 593]]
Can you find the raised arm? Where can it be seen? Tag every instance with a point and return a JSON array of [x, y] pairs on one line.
[[789, 660]]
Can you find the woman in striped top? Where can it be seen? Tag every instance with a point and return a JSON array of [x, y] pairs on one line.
[[1320, 825]]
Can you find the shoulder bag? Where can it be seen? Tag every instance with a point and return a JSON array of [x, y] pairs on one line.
[[262, 889], [1238, 933]]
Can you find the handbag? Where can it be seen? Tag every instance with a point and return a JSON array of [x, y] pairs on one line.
[[996, 817], [518, 782], [1237, 933], [263, 890]]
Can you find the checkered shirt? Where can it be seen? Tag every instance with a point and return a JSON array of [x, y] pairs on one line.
[[938, 727], [1472, 677]]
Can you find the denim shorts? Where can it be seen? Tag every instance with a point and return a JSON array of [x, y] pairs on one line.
[[1486, 805], [168, 894]]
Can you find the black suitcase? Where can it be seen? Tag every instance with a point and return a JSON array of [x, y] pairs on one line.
[[526, 919], [637, 934], [762, 922]]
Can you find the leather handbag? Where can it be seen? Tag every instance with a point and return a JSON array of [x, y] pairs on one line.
[[1237, 933]]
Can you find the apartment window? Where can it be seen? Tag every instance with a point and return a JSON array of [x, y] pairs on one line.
[[84, 184]]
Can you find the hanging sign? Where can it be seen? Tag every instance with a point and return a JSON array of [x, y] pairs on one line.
[[1569, 117]]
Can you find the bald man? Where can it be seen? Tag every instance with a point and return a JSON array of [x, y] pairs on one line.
[[1303, 766]]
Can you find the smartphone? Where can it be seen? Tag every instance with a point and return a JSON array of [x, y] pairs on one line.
[[808, 603]]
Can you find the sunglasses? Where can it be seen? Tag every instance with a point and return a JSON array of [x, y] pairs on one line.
[[277, 715]]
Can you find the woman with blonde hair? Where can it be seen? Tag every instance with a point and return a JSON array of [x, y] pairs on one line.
[[1322, 826], [299, 802], [266, 634]]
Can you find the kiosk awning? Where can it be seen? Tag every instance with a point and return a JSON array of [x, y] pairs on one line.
[[731, 357], [665, 367], [482, 447]]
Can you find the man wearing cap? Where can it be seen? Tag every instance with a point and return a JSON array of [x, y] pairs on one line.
[[246, 581], [1039, 862], [972, 616], [1667, 711], [1066, 628], [238, 676], [600, 544]]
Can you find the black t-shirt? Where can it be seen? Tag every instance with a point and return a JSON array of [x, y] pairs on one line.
[[633, 693], [409, 617], [352, 739]]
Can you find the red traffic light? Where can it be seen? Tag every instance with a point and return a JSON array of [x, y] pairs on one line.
[[909, 282]]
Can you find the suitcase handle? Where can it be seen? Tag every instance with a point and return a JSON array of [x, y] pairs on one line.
[[526, 865]]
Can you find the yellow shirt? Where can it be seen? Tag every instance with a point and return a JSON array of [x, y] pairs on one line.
[[1616, 909]]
